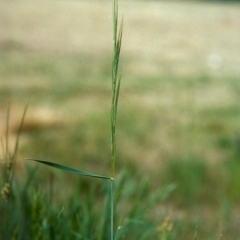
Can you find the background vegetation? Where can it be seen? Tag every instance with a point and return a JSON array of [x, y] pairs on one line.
[[178, 127]]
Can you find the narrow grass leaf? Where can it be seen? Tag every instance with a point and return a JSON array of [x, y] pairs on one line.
[[117, 94], [115, 20], [69, 169], [116, 57], [14, 156], [119, 38], [19, 132]]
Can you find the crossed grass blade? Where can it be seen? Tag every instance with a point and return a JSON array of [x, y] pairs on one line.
[[69, 169]]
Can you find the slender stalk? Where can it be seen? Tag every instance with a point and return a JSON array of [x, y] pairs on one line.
[[112, 207], [7, 150], [117, 39], [7, 173]]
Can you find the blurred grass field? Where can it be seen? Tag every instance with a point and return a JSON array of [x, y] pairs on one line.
[[179, 113]]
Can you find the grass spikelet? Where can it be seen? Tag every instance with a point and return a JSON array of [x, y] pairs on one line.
[[116, 80]]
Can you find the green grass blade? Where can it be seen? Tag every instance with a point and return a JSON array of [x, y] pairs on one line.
[[112, 208], [6, 172], [118, 49], [19, 132], [115, 21], [116, 97], [14, 156], [69, 169], [116, 57]]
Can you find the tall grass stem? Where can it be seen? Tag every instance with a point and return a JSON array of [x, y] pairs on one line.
[[116, 80]]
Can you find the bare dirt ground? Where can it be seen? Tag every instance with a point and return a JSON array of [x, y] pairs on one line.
[[181, 37]]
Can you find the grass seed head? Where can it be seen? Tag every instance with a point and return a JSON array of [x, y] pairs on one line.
[[166, 225], [6, 191]]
